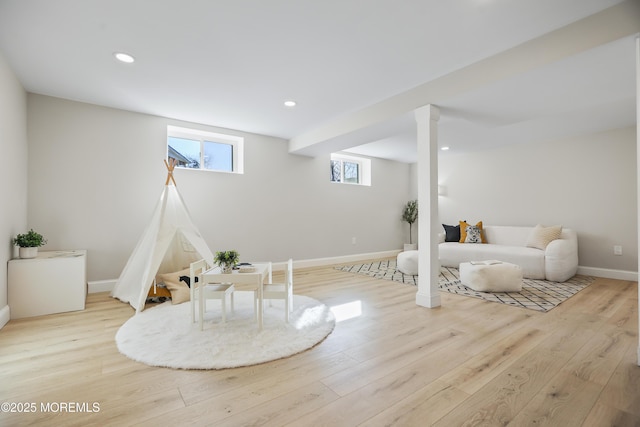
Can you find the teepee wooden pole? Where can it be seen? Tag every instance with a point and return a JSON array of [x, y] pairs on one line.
[[171, 164]]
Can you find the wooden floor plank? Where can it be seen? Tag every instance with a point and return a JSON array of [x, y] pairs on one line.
[[422, 408], [478, 371], [284, 409], [598, 359], [564, 401], [623, 388], [603, 415], [390, 362], [369, 400]]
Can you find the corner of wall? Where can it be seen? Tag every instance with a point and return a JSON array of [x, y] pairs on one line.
[[5, 315], [13, 133]]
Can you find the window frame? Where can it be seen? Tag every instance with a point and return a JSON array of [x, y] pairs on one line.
[[364, 169], [236, 143]]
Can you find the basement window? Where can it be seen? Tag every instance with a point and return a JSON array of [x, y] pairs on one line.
[[196, 149], [350, 169]]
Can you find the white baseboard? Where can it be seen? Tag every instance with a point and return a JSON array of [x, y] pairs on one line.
[[101, 286], [609, 273], [319, 262], [429, 301], [108, 285], [5, 316]]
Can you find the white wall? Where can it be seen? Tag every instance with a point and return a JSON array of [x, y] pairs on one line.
[[13, 173], [587, 183], [96, 174]]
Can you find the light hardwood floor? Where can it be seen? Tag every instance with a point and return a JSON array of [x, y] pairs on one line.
[[468, 362]]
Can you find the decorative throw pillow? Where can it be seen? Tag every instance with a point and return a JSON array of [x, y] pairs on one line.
[[452, 233], [474, 234], [179, 290], [464, 227], [541, 236], [187, 280], [158, 292]]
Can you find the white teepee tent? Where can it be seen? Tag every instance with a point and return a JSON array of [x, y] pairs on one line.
[[170, 243]]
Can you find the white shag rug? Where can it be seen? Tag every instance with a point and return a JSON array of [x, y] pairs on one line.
[[164, 335]]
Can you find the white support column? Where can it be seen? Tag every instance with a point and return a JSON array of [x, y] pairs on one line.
[[638, 165], [428, 224]]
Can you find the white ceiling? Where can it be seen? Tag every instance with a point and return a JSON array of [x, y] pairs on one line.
[[585, 93], [232, 63]]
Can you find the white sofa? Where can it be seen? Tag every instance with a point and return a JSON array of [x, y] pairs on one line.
[[558, 262]]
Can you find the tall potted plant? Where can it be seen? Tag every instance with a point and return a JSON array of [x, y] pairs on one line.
[[410, 215], [29, 243]]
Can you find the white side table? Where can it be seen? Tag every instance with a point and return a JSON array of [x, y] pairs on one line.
[[53, 282]]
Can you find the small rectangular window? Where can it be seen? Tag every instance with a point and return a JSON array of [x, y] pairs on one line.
[[195, 149], [218, 156], [185, 151], [350, 169], [336, 170], [351, 172]]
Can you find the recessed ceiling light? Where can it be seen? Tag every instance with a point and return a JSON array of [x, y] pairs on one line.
[[290, 103], [124, 57], [444, 148]]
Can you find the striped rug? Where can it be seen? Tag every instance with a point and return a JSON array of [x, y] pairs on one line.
[[539, 295]]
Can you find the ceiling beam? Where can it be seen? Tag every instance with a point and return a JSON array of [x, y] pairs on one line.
[[354, 129]]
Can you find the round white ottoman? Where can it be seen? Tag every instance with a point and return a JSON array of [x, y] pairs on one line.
[[491, 276], [407, 262]]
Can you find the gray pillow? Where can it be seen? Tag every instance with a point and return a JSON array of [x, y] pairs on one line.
[[452, 233]]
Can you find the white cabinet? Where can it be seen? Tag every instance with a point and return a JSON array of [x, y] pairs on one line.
[[53, 282]]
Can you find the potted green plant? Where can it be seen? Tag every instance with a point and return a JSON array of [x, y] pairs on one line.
[[227, 260], [410, 215], [29, 243]]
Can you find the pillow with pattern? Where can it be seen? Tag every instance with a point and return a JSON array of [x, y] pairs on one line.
[[179, 290], [472, 233]]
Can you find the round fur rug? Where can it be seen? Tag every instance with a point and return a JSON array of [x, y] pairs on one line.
[[164, 335]]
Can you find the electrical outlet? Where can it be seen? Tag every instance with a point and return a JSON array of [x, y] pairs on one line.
[[353, 240], [617, 250]]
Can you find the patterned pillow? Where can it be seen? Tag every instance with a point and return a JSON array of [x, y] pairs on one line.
[[541, 236], [179, 290], [474, 234], [476, 230]]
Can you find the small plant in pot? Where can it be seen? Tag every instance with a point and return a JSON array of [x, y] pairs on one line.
[[29, 243], [410, 215], [226, 260]]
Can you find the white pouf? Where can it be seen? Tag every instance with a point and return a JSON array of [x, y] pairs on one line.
[[407, 262], [491, 276]]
